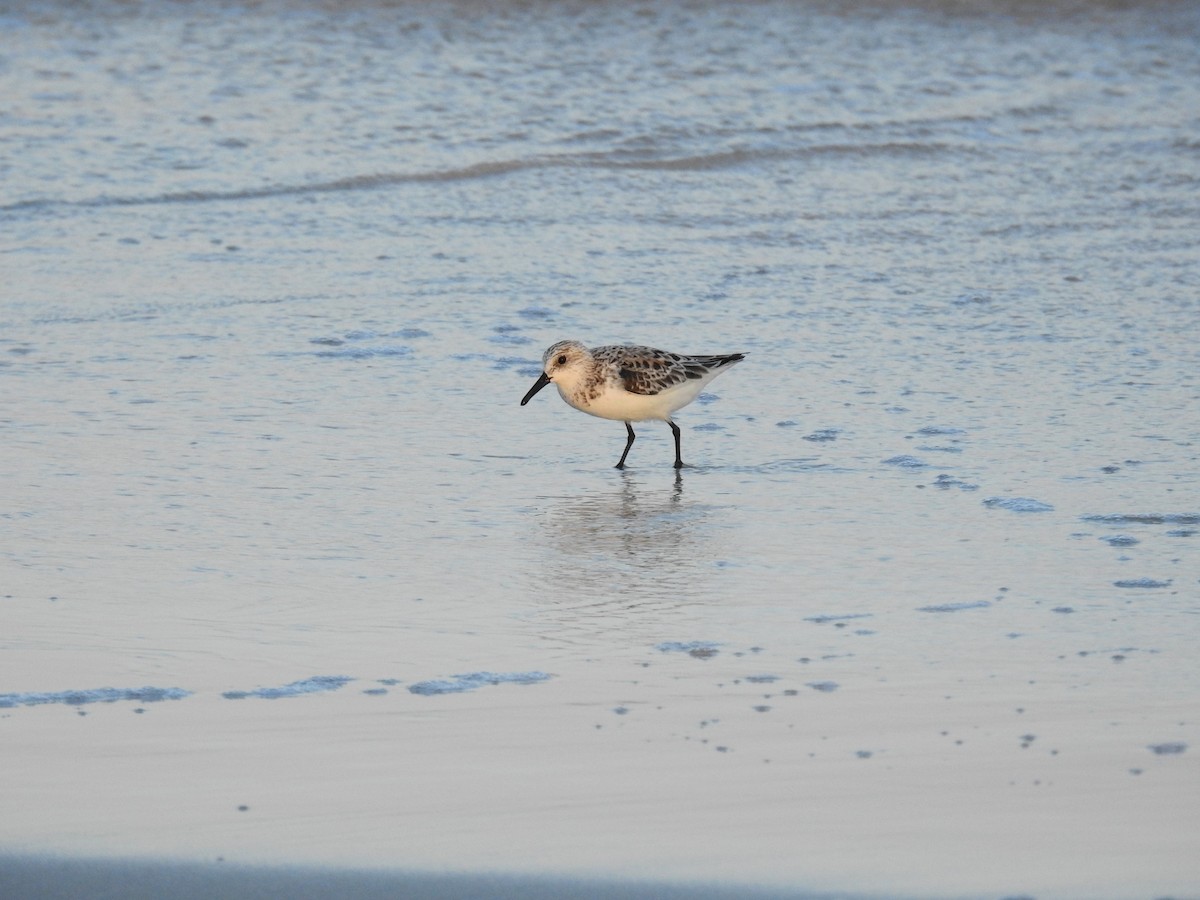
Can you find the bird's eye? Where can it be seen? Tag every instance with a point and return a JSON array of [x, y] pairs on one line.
[[562, 360]]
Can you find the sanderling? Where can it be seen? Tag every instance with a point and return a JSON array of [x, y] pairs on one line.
[[627, 383]]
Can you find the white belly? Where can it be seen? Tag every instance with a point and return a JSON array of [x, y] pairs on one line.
[[617, 404]]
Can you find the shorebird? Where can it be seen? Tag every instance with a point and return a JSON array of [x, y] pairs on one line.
[[628, 383]]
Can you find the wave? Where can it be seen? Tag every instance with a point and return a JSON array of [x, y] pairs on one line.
[[723, 159], [352, 183]]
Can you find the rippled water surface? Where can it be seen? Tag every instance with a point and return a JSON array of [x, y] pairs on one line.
[[288, 575]]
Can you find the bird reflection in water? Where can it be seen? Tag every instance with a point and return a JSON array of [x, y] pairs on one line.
[[637, 547]]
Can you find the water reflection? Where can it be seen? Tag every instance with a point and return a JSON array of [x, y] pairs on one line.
[[634, 546]]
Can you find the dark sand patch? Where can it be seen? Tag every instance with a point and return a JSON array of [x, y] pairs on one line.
[[51, 878]]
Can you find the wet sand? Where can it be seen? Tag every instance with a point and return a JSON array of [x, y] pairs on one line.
[[288, 577], [44, 878]]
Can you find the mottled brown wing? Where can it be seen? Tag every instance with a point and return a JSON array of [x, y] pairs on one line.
[[644, 370]]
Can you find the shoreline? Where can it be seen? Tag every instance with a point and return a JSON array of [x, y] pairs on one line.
[[33, 876]]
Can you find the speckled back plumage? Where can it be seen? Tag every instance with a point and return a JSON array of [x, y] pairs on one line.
[[649, 371]]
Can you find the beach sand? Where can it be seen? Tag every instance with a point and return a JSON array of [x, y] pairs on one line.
[[50, 878]]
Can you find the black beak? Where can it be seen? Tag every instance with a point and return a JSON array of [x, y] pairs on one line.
[[542, 381]]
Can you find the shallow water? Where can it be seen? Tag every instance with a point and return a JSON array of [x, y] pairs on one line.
[[289, 576]]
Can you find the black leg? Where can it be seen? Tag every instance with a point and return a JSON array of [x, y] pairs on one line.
[[628, 444], [675, 431]]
